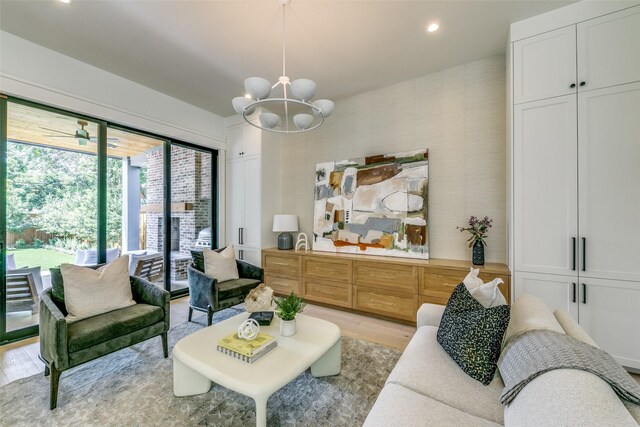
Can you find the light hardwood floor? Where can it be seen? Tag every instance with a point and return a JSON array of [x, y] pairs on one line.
[[20, 359]]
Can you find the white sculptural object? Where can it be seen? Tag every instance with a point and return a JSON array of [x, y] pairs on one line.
[[248, 330], [302, 242]]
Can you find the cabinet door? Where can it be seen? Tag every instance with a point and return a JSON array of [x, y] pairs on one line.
[[609, 314], [251, 193], [544, 66], [609, 49], [252, 141], [609, 164], [545, 186], [235, 137], [252, 256], [235, 200], [556, 291]]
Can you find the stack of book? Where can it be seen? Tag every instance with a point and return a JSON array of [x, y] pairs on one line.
[[245, 350]]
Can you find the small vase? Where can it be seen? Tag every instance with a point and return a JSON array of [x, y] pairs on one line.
[[287, 327], [478, 254]]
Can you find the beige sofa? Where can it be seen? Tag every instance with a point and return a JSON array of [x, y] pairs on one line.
[[427, 388]]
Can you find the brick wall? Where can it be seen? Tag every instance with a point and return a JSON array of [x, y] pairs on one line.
[[190, 183]]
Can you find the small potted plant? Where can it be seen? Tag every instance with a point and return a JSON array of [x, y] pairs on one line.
[[286, 309], [478, 229]]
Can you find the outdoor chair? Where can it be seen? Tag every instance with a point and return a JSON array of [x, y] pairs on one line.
[[90, 256], [148, 267], [65, 345], [208, 295], [11, 262], [21, 293]]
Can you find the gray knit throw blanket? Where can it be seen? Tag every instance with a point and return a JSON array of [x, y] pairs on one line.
[[535, 352]]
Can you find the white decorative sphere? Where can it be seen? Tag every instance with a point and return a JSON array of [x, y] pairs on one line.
[[248, 330], [303, 121], [303, 89], [269, 120], [240, 102], [325, 106], [257, 87]]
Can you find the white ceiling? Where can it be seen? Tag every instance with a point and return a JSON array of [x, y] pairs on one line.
[[201, 51]]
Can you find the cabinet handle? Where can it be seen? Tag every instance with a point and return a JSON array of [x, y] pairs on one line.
[[239, 236], [583, 83], [584, 254], [573, 239], [572, 85], [584, 293], [241, 254], [574, 292], [242, 235]]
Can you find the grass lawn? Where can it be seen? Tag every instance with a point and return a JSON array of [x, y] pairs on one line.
[[44, 258]]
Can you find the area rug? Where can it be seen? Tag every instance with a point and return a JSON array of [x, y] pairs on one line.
[[134, 387]]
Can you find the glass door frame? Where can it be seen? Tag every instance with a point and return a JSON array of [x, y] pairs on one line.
[[101, 202]]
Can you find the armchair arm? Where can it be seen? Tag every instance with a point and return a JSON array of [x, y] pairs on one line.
[[146, 292], [202, 288], [53, 333], [250, 271]]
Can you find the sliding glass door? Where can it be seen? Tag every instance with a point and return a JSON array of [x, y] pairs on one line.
[[51, 215], [79, 190]]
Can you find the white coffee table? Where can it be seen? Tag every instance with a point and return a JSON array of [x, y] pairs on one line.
[[196, 362]]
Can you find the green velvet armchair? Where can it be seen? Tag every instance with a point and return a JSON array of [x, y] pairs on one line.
[[208, 295], [65, 345]]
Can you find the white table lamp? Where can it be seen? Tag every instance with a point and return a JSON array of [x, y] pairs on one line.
[[285, 224]]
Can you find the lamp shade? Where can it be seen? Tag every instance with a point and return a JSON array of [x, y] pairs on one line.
[[285, 223]]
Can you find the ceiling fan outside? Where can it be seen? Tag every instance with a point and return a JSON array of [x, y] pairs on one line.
[[82, 135]]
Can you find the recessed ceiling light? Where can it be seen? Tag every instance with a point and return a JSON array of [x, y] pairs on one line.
[[66, 1], [246, 95], [433, 27]]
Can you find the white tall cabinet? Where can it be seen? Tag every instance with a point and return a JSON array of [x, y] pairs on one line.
[[253, 189], [575, 168]]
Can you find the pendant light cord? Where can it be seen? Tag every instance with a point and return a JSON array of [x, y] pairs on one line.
[[284, 68]]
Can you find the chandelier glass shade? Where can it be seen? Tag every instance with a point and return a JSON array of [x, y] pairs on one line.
[[293, 111]]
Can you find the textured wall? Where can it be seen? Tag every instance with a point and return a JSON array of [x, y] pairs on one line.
[[458, 114]]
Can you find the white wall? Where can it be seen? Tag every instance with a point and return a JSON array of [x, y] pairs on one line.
[[458, 114], [30, 71]]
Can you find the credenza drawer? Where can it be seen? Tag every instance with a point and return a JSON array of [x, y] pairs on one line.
[[283, 285], [288, 265], [386, 276], [438, 284], [401, 305], [332, 269], [335, 293]]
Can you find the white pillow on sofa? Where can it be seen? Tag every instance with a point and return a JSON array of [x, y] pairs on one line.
[[488, 294], [89, 292], [221, 266]]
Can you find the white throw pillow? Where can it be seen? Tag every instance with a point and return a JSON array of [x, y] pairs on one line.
[[488, 294], [89, 292], [221, 266]]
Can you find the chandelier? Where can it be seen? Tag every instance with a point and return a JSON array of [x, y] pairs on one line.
[[293, 112]]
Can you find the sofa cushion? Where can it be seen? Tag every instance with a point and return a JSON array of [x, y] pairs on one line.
[[572, 328], [471, 334], [427, 369], [399, 406], [57, 284], [235, 288], [198, 260], [567, 397], [529, 313], [104, 327]]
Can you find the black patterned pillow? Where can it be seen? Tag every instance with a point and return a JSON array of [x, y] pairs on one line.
[[472, 334]]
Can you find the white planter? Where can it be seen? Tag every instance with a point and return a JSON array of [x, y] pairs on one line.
[[287, 327]]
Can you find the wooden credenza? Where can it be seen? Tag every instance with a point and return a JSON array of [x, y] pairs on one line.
[[383, 286]]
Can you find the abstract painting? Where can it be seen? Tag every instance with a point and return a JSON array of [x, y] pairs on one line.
[[376, 205]]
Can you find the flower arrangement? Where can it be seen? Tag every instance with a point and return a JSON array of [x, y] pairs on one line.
[[288, 307], [478, 229]]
